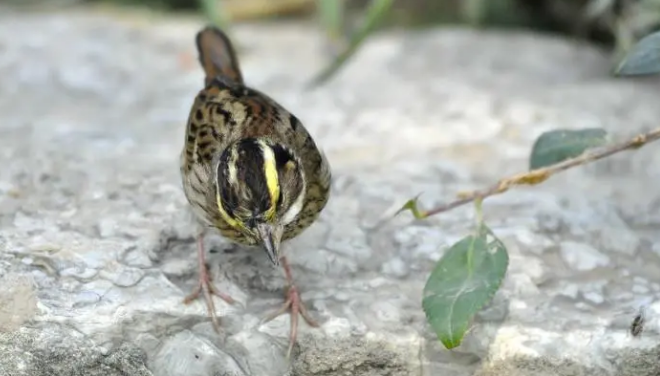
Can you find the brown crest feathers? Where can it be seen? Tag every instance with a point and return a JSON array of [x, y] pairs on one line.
[[217, 55]]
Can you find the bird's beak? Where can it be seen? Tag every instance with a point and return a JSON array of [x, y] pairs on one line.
[[270, 235]]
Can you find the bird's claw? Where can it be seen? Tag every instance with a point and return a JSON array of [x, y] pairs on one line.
[[296, 306]]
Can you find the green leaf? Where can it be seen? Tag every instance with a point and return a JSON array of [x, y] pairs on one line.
[[212, 10], [561, 144], [374, 15], [475, 11], [643, 58], [463, 281], [412, 206], [330, 14]]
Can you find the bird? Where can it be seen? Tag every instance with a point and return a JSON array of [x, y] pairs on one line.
[[250, 170]]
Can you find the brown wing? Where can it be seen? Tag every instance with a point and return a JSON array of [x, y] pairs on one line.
[[209, 131], [317, 171], [210, 128], [211, 119]]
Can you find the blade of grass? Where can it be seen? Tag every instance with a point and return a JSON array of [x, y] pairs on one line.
[[330, 14], [212, 10], [474, 11], [374, 15]]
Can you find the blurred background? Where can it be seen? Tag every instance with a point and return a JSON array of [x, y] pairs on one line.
[[92, 121], [612, 24]]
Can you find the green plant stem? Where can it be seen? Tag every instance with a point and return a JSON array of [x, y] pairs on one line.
[[213, 12], [478, 209], [374, 15], [331, 13]]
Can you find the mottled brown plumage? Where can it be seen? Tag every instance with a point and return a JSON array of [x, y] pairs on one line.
[[249, 167]]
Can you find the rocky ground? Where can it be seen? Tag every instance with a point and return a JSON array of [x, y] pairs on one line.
[[97, 248]]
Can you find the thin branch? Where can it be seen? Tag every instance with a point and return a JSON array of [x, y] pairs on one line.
[[541, 174]]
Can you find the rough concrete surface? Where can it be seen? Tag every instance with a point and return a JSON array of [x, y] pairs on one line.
[[97, 244]]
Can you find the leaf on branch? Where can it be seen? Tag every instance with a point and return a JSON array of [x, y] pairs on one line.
[[414, 209], [643, 58], [558, 145], [463, 281]]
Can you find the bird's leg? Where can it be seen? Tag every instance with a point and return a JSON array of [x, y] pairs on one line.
[[294, 304], [204, 285]]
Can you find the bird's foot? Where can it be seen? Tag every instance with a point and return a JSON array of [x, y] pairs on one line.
[[206, 287], [295, 306]]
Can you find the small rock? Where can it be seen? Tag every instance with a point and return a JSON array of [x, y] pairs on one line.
[[640, 289], [571, 290], [423, 242], [136, 258], [85, 298], [386, 312], [126, 276], [533, 242], [186, 353], [621, 240], [178, 267], [594, 297], [582, 257], [640, 281], [107, 228], [18, 301], [79, 272], [523, 285], [395, 267], [348, 240]]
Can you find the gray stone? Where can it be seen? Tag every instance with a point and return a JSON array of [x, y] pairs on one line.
[[18, 301], [97, 245], [582, 257], [53, 350], [371, 356], [187, 353]]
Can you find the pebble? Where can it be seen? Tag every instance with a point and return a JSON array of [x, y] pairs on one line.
[[395, 267], [640, 289], [582, 257], [594, 297]]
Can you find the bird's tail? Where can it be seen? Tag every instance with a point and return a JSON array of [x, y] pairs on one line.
[[217, 55]]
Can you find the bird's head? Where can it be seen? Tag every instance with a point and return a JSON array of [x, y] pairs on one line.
[[260, 189]]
